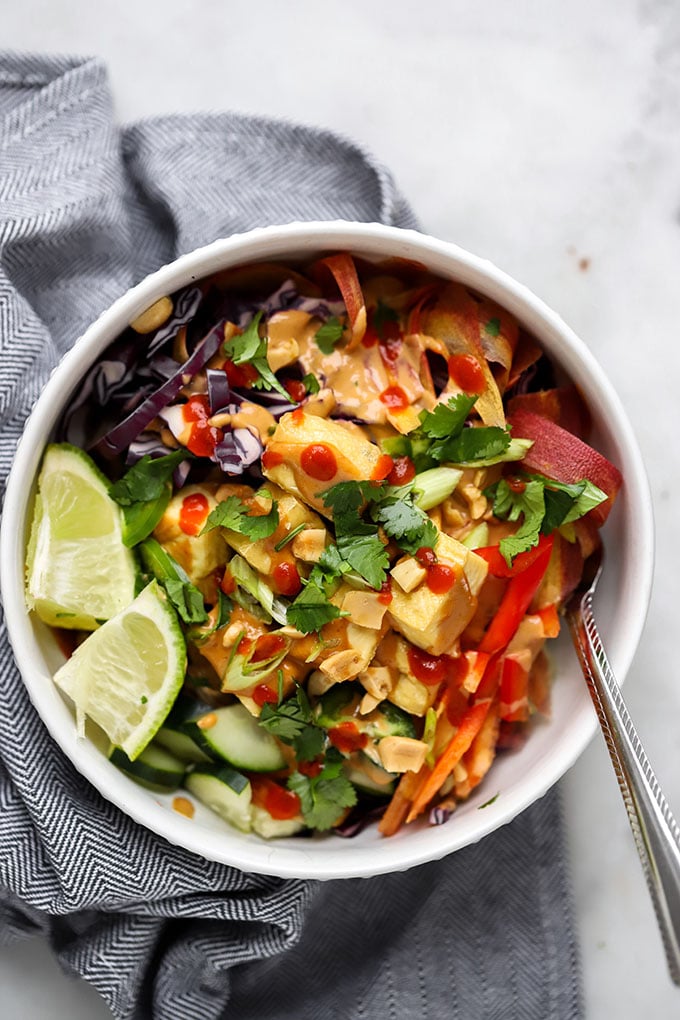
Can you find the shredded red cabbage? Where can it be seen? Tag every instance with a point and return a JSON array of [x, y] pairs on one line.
[[185, 307]]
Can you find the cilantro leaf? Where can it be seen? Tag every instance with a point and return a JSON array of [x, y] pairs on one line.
[[346, 498], [233, 514], [287, 720], [147, 479], [366, 554], [249, 347], [447, 419], [471, 444], [311, 383], [328, 335], [310, 743], [407, 524], [329, 567], [187, 600], [492, 327], [323, 798], [311, 609]]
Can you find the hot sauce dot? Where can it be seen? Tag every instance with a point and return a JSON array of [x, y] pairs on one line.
[[466, 372], [390, 350], [347, 737], [197, 408], [310, 768], [275, 799], [370, 337], [227, 583], [296, 390], [267, 647], [318, 461], [426, 556], [395, 398], [516, 484], [297, 416], [193, 513], [429, 669], [264, 694], [244, 646], [383, 468], [271, 459], [287, 579], [403, 471], [240, 376], [440, 578], [385, 593]]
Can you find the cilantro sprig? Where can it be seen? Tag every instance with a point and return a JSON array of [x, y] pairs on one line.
[[325, 796], [233, 514], [147, 479], [542, 504], [328, 335], [292, 721], [250, 348]]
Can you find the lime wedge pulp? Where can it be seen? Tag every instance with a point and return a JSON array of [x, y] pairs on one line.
[[127, 674], [79, 572]]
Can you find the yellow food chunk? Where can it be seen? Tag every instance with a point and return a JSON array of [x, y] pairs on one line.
[[402, 754], [365, 608], [199, 555], [434, 621], [288, 457]]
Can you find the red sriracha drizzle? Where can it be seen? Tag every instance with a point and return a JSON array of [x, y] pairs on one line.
[[403, 471], [347, 737], [287, 579], [466, 372], [318, 461], [275, 799], [264, 694], [240, 376], [429, 669], [203, 438], [266, 647], [193, 513], [440, 578], [383, 468], [296, 389], [395, 398], [385, 594], [271, 459]]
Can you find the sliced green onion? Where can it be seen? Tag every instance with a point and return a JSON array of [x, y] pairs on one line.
[[478, 538], [433, 486], [517, 450], [247, 578], [290, 536]]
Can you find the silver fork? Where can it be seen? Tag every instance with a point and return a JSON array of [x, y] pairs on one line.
[[656, 832]]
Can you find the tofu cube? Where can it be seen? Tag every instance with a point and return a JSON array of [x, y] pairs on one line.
[[408, 573], [199, 555], [365, 608], [347, 456], [434, 621]]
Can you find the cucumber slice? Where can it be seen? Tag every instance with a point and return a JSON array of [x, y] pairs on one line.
[[154, 768], [368, 777], [224, 791], [273, 828], [236, 737], [172, 736]]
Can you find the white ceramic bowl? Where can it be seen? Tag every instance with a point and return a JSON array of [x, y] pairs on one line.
[[519, 777]]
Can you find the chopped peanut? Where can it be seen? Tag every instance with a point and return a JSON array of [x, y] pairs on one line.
[[365, 609], [377, 681], [402, 754], [344, 665], [309, 544], [153, 317], [408, 573], [367, 704]]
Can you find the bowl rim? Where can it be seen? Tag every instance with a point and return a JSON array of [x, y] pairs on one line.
[[399, 852]]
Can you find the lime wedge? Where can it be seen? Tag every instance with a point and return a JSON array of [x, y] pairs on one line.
[[127, 674], [78, 571]]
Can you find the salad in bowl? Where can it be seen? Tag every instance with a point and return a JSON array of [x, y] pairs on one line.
[[303, 534]]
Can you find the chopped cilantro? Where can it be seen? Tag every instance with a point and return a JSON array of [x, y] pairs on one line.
[[488, 803], [471, 444], [311, 383], [250, 348], [292, 722], [366, 554], [311, 609], [543, 504], [147, 479], [233, 514], [187, 600], [323, 798], [409, 526], [328, 335], [492, 327], [447, 419]]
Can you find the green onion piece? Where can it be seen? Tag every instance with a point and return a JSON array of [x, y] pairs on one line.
[[433, 486], [247, 578], [517, 450], [290, 536], [478, 538]]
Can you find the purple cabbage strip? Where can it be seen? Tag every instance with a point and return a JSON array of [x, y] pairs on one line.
[[219, 391], [358, 818], [147, 444], [285, 298], [439, 815], [122, 434], [185, 307]]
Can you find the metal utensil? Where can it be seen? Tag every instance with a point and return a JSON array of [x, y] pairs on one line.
[[656, 832]]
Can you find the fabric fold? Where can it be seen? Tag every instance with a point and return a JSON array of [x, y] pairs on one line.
[[85, 211]]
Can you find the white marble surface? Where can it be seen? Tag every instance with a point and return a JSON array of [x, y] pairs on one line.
[[544, 136]]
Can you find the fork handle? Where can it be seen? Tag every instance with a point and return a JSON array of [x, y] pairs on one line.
[[656, 832]]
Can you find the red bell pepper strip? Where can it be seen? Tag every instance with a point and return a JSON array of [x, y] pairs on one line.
[[514, 704], [515, 602], [344, 272], [558, 454], [499, 568]]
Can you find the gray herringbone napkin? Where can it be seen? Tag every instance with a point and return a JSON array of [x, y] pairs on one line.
[[85, 211]]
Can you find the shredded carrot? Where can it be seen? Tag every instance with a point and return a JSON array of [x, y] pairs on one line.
[[460, 742], [550, 620], [344, 271], [398, 807]]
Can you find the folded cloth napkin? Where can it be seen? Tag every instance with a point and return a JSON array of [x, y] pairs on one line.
[[85, 211]]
